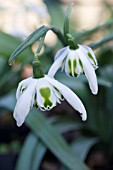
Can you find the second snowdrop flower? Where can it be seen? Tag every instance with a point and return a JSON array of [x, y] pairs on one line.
[[75, 62]]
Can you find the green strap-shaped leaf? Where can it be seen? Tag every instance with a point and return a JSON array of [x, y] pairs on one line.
[[31, 154], [53, 140], [39, 154], [40, 32], [82, 146], [38, 151], [28, 148]]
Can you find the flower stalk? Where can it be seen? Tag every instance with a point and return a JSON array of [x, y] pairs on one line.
[[71, 42]]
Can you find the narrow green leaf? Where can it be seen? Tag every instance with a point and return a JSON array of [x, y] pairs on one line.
[[56, 12], [66, 20], [101, 42], [106, 25], [39, 154], [30, 40], [105, 83], [62, 125], [66, 124], [53, 140], [82, 146], [31, 154], [28, 148], [41, 43]]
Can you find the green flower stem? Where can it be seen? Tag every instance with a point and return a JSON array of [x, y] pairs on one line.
[[37, 68], [92, 31], [102, 42], [59, 34]]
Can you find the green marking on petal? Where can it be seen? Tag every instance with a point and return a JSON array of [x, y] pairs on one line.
[[91, 57], [46, 93], [75, 74], [35, 102], [70, 70], [69, 64], [74, 66], [61, 96], [80, 64], [23, 88], [70, 74]]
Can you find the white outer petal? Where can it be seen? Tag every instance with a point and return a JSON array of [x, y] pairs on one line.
[[86, 49], [24, 104], [89, 72], [25, 82], [57, 63], [70, 96], [59, 52]]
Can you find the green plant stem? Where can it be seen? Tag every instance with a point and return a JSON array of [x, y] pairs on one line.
[[91, 31], [59, 34], [102, 42]]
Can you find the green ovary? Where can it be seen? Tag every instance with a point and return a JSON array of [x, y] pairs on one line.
[[46, 93]]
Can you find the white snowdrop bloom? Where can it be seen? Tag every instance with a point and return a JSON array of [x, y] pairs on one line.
[[75, 62], [43, 93]]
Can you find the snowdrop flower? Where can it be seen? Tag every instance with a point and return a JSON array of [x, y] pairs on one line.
[[43, 93], [75, 62]]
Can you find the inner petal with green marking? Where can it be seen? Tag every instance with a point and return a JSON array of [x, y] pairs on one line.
[[46, 93]]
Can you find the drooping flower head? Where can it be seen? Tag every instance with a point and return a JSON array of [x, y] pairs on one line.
[[43, 93], [75, 62]]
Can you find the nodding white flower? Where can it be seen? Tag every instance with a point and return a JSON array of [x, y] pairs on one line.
[[44, 93], [75, 62]]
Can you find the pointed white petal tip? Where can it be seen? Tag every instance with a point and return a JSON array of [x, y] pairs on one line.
[[70, 96], [95, 91], [84, 117], [19, 124], [94, 88]]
